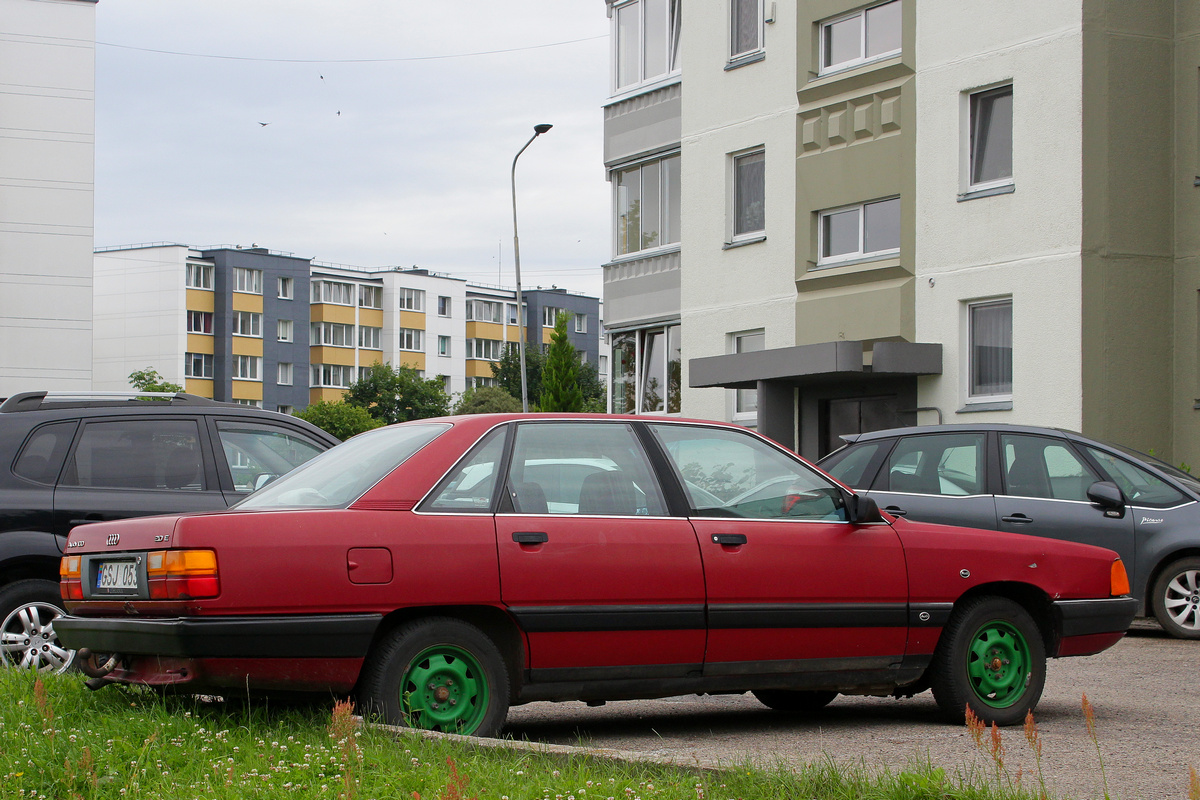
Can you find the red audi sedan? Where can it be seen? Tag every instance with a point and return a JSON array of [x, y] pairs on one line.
[[441, 570]]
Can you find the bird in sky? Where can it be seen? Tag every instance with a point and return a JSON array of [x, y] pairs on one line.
[[264, 124]]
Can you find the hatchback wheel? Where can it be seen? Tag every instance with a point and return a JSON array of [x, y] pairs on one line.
[[28, 609], [440, 674], [1176, 598], [990, 658], [794, 702]]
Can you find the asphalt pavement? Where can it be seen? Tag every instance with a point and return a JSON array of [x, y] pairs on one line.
[[1145, 693]]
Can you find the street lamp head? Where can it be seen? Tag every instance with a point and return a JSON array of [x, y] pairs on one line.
[[540, 129]]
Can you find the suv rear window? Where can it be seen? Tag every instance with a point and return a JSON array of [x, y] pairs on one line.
[[138, 454]]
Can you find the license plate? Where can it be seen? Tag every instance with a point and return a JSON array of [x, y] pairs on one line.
[[117, 577]]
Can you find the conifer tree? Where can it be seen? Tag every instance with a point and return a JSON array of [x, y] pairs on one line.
[[560, 378]]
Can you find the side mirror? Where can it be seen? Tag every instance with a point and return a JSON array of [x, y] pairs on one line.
[[861, 510], [262, 479], [1109, 497]]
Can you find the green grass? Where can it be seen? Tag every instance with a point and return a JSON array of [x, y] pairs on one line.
[[59, 740]]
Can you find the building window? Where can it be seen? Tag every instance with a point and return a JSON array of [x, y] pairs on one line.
[[283, 409], [863, 231], [445, 379], [244, 402], [247, 323], [412, 339], [485, 349], [475, 383], [647, 371], [512, 313], [248, 281], [647, 42], [990, 336], [333, 334], [991, 145], [200, 322], [285, 374], [197, 365], [602, 369], [286, 288], [581, 323], [370, 296], [866, 35], [550, 316], [369, 337], [332, 376], [247, 368], [646, 204], [443, 306], [483, 311], [745, 404], [745, 28], [443, 345], [283, 330], [199, 276], [340, 294], [749, 194], [412, 300]]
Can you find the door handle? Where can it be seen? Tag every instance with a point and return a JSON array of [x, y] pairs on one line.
[[530, 537], [1018, 519], [729, 538], [896, 511]]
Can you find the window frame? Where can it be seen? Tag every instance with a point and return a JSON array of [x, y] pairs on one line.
[[370, 296], [861, 254], [411, 299], [743, 399], [444, 346], [324, 334], [246, 364], [285, 330], [240, 320], [862, 58], [755, 53], [284, 368], [318, 372], [670, 27], [444, 306], [973, 397], [247, 280], [206, 366], [668, 213], [973, 125], [735, 197], [321, 292], [581, 323], [285, 288], [415, 340], [373, 336], [671, 335], [204, 273], [206, 322]]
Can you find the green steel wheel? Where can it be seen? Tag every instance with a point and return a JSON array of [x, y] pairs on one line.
[[440, 674], [990, 658]]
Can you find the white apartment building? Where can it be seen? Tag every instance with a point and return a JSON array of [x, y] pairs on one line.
[[47, 135]]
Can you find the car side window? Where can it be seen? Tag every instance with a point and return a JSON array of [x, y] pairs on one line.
[[591, 468], [42, 457], [138, 454], [949, 464], [1036, 466], [849, 465], [257, 454], [728, 473], [470, 488], [1140, 487]]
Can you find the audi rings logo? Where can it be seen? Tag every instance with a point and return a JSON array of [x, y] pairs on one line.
[[113, 538]]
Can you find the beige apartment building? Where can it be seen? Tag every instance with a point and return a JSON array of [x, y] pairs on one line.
[[832, 217]]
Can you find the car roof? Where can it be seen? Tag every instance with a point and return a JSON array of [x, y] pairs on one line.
[[851, 438]]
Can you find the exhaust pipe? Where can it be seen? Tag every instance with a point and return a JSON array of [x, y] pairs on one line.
[[98, 675]]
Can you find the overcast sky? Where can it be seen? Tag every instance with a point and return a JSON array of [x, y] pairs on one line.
[[386, 162]]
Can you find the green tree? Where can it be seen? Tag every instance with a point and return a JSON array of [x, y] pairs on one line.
[[594, 400], [486, 400], [507, 372], [398, 394], [340, 419], [560, 378], [148, 380]]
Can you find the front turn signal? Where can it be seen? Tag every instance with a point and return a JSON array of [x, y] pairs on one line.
[[1118, 579]]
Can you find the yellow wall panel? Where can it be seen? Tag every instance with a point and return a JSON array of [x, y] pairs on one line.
[[198, 386], [331, 355], [247, 390], [200, 343], [478, 369], [485, 330], [328, 395], [373, 317], [247, 302], [327, 312], [512, 333], [200, 300], [412, 319], [413, 360], [546, 333], [247, 346], [367, 358]]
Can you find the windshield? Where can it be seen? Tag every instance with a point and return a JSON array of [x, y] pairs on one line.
[[338, 477]]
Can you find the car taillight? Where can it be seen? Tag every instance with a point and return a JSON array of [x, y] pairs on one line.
[[182, 574], [1118, 579], [70, 584]]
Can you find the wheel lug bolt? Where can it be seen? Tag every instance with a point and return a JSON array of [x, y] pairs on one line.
[[432, 687], [453, 702], [434, 706]]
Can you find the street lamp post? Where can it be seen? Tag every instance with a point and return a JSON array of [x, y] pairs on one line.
[[538, 130]]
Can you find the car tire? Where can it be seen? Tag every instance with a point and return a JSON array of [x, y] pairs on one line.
[[794, 701], [1175, 598], [28, 609], [439, 674], [990, 658]]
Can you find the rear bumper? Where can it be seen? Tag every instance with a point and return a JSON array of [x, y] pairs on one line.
[[1089, 626], [311, 636]]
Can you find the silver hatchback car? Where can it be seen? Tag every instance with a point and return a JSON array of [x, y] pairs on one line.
[[1044, 482]]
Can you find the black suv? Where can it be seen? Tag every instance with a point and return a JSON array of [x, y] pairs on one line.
[[71, 459]]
